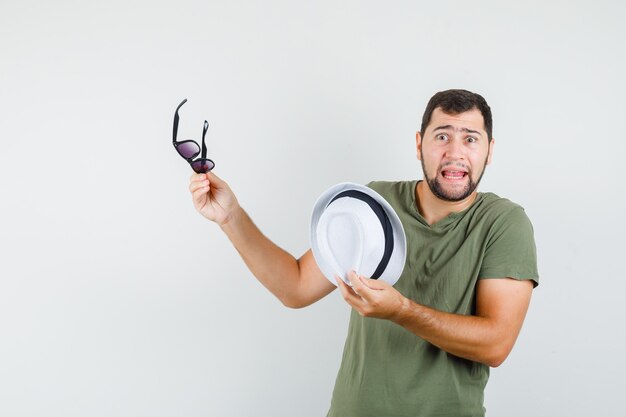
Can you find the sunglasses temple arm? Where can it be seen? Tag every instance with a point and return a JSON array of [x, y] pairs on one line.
[[176, 118], [204, 129], [175, 132]]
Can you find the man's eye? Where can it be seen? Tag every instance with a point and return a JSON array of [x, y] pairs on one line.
[[471, 139], [442, 137]]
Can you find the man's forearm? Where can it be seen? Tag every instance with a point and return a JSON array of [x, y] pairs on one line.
[[470, 337], [275, 268], [486, 337]]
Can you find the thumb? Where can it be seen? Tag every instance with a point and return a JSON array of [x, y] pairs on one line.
[[373, 284], [214, 179]]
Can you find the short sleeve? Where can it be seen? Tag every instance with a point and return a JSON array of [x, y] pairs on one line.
[[510, 251]]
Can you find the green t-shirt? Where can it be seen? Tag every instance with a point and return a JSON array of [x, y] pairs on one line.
[[387, 371]]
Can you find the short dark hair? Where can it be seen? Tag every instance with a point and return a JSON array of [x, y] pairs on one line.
[[455, 102]]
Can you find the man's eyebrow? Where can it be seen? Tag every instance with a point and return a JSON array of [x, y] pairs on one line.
[[450, 127], [444, 127], [471, 131]]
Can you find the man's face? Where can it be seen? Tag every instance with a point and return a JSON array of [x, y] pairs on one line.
[[454, 151]]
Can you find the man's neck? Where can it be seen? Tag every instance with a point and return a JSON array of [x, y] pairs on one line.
[[434, 209]]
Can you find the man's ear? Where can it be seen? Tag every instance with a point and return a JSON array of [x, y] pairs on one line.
[[490, 155], [418, 145]]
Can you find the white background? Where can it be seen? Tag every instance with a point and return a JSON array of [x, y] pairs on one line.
[[118, 299]]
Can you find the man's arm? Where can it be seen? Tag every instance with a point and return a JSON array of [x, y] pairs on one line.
[[295, 282], [487, 337]]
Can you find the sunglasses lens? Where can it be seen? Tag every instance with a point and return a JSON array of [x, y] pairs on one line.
[[202, 166], [188, 149]]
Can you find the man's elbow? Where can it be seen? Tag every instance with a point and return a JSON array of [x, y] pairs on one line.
[[497, 355], [495, 362], [294, 302]]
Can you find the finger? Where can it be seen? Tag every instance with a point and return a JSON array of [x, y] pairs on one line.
[[196, 185], [358, 285], [341, 284], [355, 281], [348, 293], [200, 194], [220, 183], [197, 177], [373, 284], [347, 284]]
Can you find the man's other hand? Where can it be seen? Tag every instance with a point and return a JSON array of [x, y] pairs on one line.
[[371, 298]]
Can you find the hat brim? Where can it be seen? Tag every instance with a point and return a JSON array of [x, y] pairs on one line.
[[396, 262]]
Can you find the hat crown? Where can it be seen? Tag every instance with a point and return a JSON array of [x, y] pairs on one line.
[[350, 235]]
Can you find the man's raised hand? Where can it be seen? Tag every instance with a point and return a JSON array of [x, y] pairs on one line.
[[213, 198]]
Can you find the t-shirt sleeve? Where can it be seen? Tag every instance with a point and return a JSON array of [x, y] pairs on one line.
[[510, 251]]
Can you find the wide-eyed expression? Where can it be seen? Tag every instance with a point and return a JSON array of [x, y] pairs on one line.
[[454, 150]]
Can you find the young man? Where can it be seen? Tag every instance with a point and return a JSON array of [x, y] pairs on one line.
[[422, 347]]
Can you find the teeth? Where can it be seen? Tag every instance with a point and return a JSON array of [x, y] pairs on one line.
[[453, 174]]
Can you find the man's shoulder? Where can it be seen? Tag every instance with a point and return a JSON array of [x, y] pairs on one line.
[[392, 188], [493, 201], [498, 209]]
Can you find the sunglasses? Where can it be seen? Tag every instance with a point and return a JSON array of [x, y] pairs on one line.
[[189, 149]]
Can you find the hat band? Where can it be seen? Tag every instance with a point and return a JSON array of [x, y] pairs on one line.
[[384, 222]]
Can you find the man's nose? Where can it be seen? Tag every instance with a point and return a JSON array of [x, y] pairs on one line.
[[454, 150]]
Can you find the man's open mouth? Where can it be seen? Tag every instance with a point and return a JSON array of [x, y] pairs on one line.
[[453, 174]]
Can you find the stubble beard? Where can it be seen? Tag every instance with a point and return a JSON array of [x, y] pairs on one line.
[[438, 190]]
